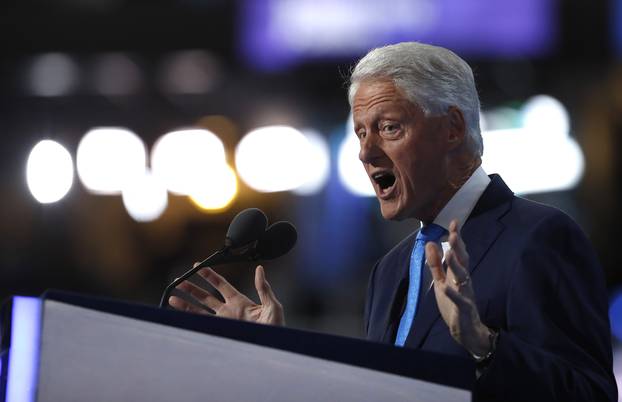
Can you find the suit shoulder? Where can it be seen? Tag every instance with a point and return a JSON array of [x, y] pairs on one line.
[[535, 216]]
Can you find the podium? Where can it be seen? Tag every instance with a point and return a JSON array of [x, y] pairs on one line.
[[67, 347]]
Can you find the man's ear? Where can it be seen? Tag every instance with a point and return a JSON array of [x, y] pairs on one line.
[[456, 126]]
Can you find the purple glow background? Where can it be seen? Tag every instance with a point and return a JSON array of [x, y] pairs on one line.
[[278, 33]]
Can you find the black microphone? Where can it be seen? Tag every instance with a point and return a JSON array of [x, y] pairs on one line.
[[279, 238], [246, 227], [243, 235]]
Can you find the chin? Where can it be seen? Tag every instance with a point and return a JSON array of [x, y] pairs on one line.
[[391, 212]]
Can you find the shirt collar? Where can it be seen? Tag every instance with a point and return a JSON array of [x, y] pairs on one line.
[[463, 201]]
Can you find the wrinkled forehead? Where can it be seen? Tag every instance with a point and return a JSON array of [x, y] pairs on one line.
[[369, 90], [376, 95]]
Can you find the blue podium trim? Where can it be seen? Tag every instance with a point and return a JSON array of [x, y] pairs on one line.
[[23, 362]]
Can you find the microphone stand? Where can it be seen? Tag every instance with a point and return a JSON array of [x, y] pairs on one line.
[[222, 256]]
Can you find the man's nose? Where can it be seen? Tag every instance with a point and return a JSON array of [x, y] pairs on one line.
[[370, 149]]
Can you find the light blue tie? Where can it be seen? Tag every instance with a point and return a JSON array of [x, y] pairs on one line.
[[430, 232]]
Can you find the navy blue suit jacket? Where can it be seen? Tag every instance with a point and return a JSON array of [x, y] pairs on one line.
[[537, 281]]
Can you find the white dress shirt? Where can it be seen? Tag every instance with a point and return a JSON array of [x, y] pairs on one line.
[[462, 203]]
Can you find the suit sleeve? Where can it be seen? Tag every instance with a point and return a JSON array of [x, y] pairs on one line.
[[555, 345]]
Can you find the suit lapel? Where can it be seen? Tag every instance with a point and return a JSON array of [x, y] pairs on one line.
[[391, 285], [479, 233]]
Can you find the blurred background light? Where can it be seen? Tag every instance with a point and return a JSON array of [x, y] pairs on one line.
[[547, 116], [145, 198], [531, 164], [483, 122], [185, 160], [53, 74], [319, 153], [116, 74], [275, 158], [49, 171], [189, 72], [615, 315], [218, 192], [500, 118], [616, 28], [108, 158], [351, 171], [277, 33], [538, 157]]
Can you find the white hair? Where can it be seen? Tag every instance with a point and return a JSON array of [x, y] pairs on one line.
[[434, 78]]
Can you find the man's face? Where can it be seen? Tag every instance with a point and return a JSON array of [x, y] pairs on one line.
[[403, 151]]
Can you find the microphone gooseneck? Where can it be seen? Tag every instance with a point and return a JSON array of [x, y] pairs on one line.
[[247, 239], [217, 258]]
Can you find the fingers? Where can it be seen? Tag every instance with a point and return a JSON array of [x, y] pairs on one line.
[[457, 244], [434, 258], [460, 274], [218, 282], [200, 295], [180, 304], [457, 258], [459, 300], [266, 295]]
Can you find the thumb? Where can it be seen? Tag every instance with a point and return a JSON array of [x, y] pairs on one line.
[[264, 290]]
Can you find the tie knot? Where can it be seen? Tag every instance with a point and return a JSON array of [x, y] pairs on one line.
[[431, 232]]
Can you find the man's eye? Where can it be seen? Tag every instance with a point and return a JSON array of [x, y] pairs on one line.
[[390, 128]]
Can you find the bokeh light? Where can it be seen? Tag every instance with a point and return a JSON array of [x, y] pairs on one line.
[[500, 118], [189, 72], [116, 74], [185, 160], [219, 192], [53, 74], [351, 171], [538, 157], [547, 116], [49, 171], [109, 158], [319, 153], [275, 158], [145, 198], [615, 315]]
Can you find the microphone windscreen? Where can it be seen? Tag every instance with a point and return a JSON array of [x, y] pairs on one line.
[[247, 226], [279, 238]]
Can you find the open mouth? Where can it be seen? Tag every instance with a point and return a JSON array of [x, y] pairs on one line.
[[384, 180]]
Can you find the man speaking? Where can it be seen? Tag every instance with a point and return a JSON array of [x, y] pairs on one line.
[[510, 283]]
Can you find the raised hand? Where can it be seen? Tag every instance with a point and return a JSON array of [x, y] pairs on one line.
[[454, 294], [236, 305]]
